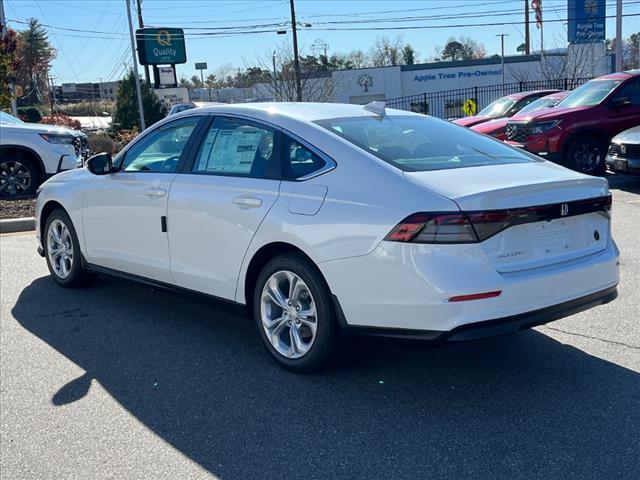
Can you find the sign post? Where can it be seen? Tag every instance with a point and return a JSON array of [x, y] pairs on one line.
[[202, 66]]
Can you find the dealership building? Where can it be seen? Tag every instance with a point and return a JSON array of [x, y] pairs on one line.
[[384, 83]]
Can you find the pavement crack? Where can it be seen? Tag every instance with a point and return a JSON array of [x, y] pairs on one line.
[[612, 342]]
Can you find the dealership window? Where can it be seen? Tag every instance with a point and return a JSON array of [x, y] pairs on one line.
[[239, 148]]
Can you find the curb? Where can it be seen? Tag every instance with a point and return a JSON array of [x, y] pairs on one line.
[[12, 225]]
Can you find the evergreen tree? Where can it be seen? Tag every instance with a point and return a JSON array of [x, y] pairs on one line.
[[126, 116]]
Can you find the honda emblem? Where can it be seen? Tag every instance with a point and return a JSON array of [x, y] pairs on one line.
[[564, 209]]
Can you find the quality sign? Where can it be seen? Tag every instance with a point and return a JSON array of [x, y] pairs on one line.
[[161, 46], [586, 21]]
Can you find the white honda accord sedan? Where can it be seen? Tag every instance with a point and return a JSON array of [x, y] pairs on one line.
[[323, 218]]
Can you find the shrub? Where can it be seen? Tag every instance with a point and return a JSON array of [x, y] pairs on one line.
[[102, 142], [30, 114], [125, 136], [61, 121]]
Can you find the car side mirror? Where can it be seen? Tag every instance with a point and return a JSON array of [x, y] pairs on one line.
[[620, 102], [100, 164], [67, 162]]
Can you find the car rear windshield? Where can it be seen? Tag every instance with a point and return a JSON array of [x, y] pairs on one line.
[[589, 94], [497, 108], [421, 143]]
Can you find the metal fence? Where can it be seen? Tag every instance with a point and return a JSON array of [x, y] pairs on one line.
[[449, 104]]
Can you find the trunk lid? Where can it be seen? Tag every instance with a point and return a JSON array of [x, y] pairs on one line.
[[576, 233]]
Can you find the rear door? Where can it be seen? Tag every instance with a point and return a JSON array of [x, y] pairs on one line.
[[217, 204]]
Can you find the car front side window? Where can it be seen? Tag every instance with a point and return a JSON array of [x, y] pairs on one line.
[[160, 151], [630, 91]]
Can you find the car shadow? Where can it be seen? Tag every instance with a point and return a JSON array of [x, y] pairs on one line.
[[197, 376], [627, 183]]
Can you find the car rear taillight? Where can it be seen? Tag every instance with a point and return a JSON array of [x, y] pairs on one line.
[[473, 227], [434, 228]]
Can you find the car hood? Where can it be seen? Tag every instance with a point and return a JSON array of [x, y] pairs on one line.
[[628, 136], [39, 128], [471, 121], [547, 114], [494, 187], [492, 126]]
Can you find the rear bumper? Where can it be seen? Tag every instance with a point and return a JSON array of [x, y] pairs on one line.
[[408, 287], [494, 328]]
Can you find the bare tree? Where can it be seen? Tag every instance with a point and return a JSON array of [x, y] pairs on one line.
[[317, 83], [386, 51]]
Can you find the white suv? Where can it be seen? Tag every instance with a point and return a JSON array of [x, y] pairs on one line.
[[30, 153]]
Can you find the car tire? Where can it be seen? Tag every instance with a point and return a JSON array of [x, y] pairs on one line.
[[19, 177], [62, 251], [285, 321], [587, 155]]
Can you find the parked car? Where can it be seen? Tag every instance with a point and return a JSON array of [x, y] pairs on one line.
[[506, 106], [320, 218], [577, 132], [181, 107], [32, 152], [498, 128], [624, 152]]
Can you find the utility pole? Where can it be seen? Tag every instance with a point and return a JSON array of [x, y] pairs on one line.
[[619, 54], [527, 37], [502, 35], [135, 67], [296, 60], [141, 25]]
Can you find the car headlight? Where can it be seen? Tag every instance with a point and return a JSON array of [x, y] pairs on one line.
[[541, 127], [58, 138]]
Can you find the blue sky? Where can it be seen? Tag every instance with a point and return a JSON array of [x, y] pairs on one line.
[[86, 56]]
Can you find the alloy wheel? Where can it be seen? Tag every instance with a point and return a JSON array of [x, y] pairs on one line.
[[288, 314], [15, 178], [587, 157], [60, 248]]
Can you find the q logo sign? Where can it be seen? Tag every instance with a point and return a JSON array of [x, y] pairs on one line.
[[163, 38]]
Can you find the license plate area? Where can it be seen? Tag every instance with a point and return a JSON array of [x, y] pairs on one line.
[[543, 243]]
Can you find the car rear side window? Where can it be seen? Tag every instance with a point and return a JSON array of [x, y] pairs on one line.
[[300, 161], [237, 147], [421, 143]]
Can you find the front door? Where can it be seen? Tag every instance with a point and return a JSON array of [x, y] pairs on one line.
[[124, 212], [216, 207]]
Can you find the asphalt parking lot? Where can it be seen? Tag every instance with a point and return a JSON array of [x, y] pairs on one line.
[[123, 381]]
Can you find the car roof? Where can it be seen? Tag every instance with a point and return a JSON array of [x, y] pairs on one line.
[[300, 111], [520, 95], [619, 75]]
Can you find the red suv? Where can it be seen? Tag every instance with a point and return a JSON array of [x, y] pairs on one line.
[[576, 133]]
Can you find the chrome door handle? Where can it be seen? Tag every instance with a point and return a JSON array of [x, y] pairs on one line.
[[247, 201], [155, 192]]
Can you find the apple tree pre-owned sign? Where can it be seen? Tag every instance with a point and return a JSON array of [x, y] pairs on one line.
[[161, 46], [586, 21]]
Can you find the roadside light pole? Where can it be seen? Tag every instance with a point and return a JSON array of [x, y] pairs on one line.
[[141, 25], [135, 67], [502, 35]]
